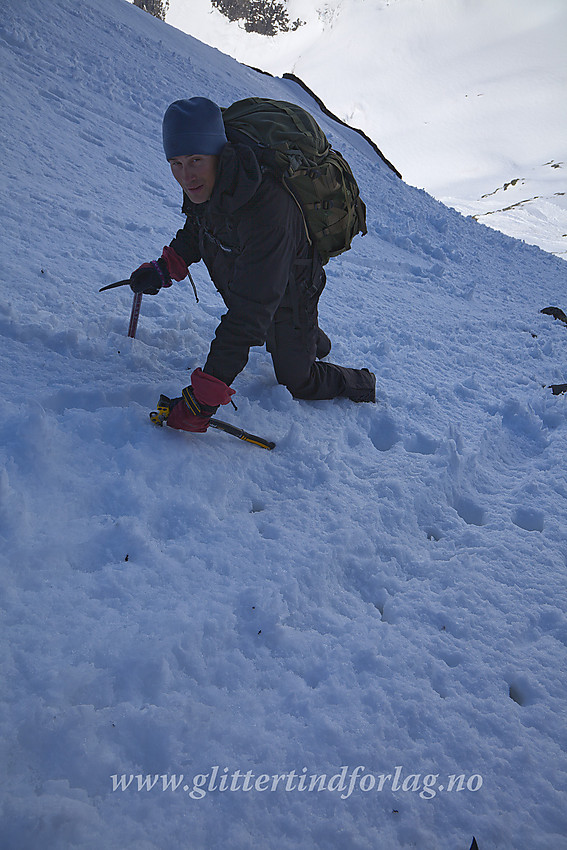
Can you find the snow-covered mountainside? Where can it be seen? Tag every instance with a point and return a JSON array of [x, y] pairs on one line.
[[356, 640], [467, 99]]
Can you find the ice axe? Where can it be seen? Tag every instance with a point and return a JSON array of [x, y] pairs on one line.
[[159, 416]]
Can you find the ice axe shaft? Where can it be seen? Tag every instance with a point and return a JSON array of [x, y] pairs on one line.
[[135, 314], [241, 434]]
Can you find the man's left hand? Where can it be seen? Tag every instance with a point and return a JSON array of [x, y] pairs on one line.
[[199, 401]]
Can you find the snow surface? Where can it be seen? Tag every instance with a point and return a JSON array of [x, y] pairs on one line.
[[385, 591], [467, 99]]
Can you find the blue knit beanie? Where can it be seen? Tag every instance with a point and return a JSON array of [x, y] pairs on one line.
[[193, 126]]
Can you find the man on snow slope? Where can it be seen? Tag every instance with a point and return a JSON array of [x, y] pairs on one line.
[[250, 234]]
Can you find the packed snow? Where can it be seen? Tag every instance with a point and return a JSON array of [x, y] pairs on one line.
[[466, 98], [356, 640]]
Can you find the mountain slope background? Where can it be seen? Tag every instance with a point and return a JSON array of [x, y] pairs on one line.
[[466, 99], [381, 598]]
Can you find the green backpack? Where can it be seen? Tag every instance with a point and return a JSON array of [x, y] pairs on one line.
[[289, 141]]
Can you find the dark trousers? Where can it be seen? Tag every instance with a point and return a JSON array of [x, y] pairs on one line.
[[295, 340]]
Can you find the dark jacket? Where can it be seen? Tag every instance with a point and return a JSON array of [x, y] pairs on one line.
[[252, 239]]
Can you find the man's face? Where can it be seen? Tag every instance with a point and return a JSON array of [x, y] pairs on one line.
[[196, 175]]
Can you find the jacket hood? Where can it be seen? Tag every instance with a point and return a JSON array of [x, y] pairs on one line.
[[238, 179]]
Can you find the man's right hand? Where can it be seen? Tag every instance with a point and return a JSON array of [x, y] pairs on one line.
[[150, 277]]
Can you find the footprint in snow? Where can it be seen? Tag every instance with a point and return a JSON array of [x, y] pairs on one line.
[[529, 519], [470, 511], [384, 432]]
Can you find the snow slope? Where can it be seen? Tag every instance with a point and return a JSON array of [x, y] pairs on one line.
[[379, 603], [465, 98]]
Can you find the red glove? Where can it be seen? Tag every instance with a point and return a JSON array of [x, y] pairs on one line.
[[199, 401], [176, 265]]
